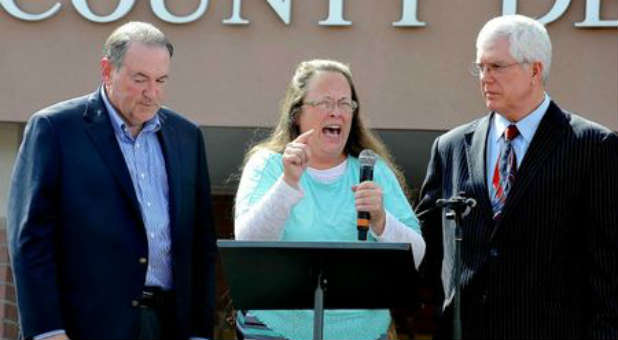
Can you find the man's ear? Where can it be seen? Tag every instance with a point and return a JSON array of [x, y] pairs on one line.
[[537, 70], [106, 70]]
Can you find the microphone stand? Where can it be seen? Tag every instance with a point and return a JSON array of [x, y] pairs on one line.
[[457, 207]]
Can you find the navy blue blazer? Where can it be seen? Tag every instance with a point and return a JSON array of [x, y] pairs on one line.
[[549, 268], [76, 234]]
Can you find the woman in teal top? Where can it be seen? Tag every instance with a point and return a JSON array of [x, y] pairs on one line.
[[302, 184]]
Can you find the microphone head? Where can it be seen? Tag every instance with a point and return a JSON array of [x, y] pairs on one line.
[[367, 158]]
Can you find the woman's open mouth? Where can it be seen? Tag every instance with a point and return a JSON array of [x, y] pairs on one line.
[[332, 131]]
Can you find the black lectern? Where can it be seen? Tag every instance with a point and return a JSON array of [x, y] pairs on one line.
[[319, 275]]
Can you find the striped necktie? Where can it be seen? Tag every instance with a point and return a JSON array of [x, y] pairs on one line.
[[505, 171]]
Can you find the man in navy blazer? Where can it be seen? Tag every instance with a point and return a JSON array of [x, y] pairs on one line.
[[109, 215], [539, 253]]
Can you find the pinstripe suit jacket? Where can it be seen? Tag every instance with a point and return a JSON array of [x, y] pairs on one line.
[[549, 268]]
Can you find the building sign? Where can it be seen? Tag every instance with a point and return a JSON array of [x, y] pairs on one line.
[[335, 15]]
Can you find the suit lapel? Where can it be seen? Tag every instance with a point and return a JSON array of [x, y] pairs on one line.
[[101, 133], [475, 152], [171, 151], [546, 138]]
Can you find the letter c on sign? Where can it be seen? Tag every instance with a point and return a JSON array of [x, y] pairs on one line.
[[121, 10], [12, 9]]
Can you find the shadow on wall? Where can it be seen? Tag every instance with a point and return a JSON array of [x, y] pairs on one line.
[[226, 147]]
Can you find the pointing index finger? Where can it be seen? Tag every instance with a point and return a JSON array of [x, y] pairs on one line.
[[304, 137]]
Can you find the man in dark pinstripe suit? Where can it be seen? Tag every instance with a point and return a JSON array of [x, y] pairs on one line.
[[539, 251]]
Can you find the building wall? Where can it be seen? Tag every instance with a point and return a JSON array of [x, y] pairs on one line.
[[235, 75]]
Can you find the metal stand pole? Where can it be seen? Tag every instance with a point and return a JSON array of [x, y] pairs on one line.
[[318, 309], [457, 313], [458, 206]]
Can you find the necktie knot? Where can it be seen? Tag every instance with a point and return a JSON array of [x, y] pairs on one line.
[[511, 132]]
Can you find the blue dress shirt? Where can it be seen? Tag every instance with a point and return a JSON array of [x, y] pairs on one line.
[[144, 159], [527, 127]]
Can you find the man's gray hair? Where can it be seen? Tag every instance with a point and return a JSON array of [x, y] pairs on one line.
[[528, 39], [118, 42]]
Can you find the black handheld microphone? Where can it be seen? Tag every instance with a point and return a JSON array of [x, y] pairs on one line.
[[367, 159]]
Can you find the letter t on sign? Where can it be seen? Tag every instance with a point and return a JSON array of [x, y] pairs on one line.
[[408, 15], [335, 15]]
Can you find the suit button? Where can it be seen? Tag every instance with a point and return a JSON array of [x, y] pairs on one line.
[[143, 260], [134, 303], [494, 252]]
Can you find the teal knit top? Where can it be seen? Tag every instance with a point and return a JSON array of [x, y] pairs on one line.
[[325, 213]]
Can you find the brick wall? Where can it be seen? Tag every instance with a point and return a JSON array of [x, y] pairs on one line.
[[9, 327]]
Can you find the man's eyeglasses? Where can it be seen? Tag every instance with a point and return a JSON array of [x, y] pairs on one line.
[[479, 69], [347, 106]]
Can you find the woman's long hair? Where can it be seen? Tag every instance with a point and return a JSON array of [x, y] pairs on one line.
[[287, 129]]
